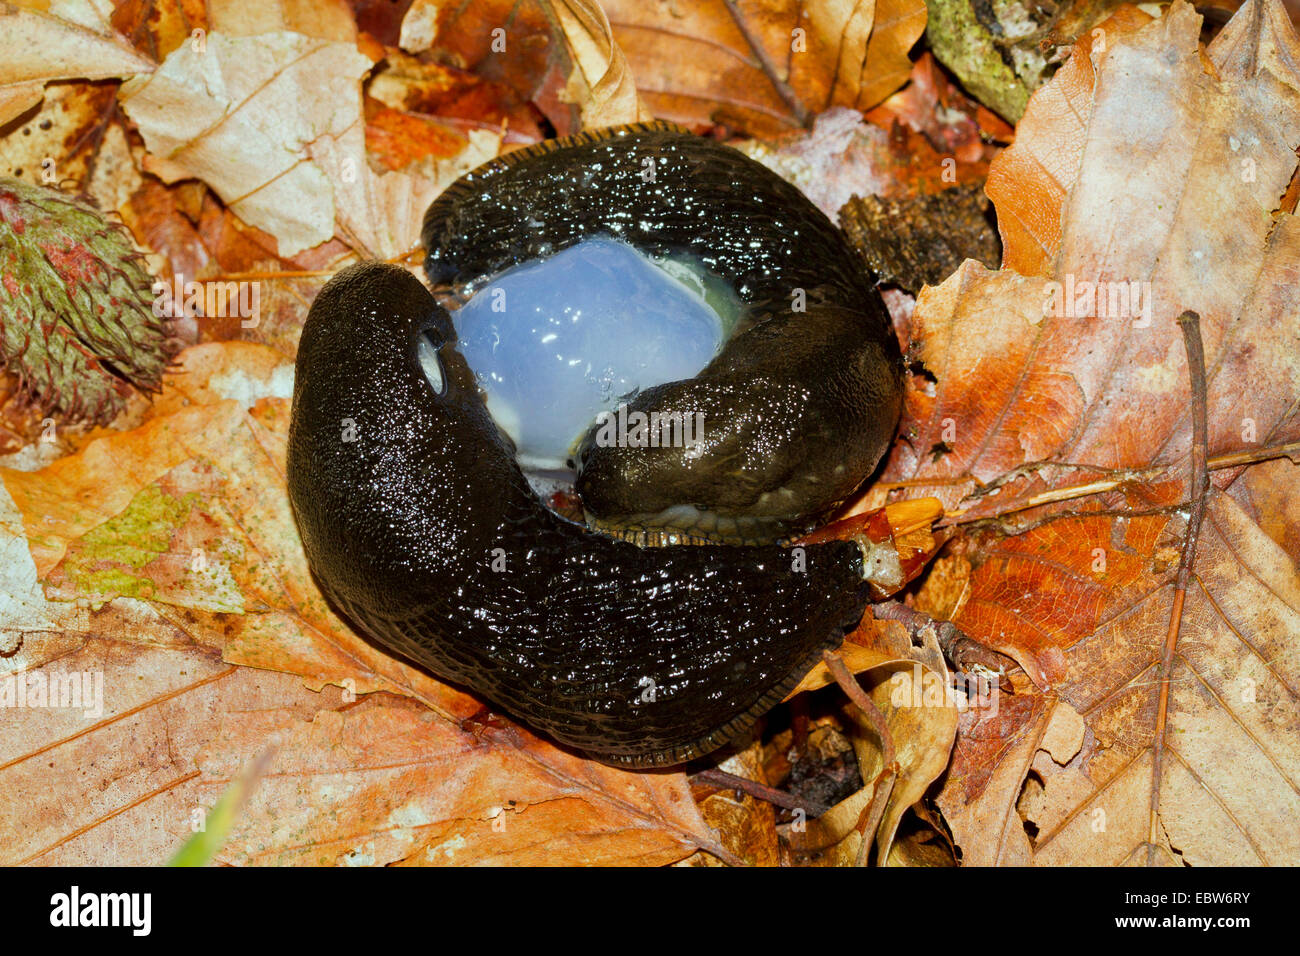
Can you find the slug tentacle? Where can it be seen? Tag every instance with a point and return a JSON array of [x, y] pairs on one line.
[[803, 399], [420, 526]]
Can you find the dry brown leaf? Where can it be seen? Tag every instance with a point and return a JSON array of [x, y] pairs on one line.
[[283, 145], [922, 719], [72, 139], [322, 19], [769, 65], [1028, 181], [988, 769], [876, 644], [446, 101], [558, 54], [601, 82], [387, 780], [1163, 200], [1270, 493], [372, 782], [1157, 192], [380, 213], [746, 826], [241, 114], [189, 511], [36, 48], [157, 27], [1231, 768]]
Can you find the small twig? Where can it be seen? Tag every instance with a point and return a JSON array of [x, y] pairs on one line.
[[870, 819], [946, 633], [1197, 494], [783, 89], [849, 684], [960, 649], [268, 276], [729, 781], [1217, 463], [1050, 497], [884, 783], [401, 260], [1290, 450]]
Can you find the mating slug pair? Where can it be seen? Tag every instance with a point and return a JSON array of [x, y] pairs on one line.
[[426, 533]]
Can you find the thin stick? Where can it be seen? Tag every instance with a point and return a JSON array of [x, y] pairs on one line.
[[870, 819], [884, 782], [1198, 492], [1217, 463], [729, 781], [401, 260], [268, 276], [946, 633], [783, 89], [1290, 450]]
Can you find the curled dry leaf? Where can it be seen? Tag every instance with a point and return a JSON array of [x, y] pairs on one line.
[[602, 82], [885, 644], [921, 714], [36, 48], [562, 55]]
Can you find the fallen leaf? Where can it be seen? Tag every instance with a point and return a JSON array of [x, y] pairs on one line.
[[243, 115], [387, 781], [1028, 181], [1039, 386], [62, 142], [1270, 493], [37, 48], [602, 82], [322, 19], [446, 98], [558, 54], [921, 715], [157, 27], [765, 66], [875, 644], [202, 481], [1231, 774], [746, 826]]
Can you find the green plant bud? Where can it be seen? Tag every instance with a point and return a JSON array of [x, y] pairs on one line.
[[76, 313]]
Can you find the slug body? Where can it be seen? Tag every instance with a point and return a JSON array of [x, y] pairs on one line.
[[804, 397], [421, 527]]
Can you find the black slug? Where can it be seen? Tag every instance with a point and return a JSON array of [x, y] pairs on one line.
[[804, 397], [420, 526]]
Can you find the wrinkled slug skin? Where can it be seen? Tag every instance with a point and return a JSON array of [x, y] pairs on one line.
[[402, 525], [798, 407]]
